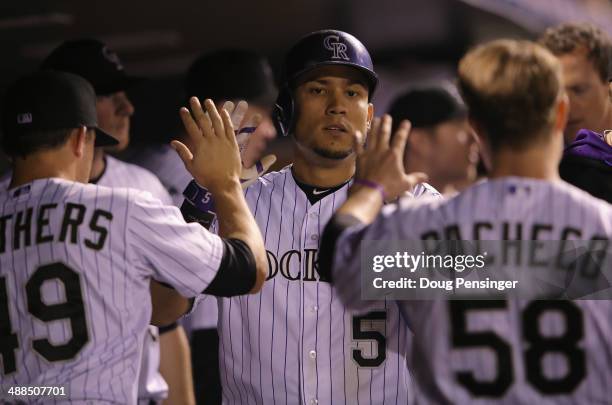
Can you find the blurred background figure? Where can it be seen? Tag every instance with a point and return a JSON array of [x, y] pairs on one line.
[[221, 75], [585, 52], [587, 163], [441, 142], [101, 66]]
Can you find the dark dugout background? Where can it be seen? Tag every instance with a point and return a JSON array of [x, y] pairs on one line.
[[411, 41]]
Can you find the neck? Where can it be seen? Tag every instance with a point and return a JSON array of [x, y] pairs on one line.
[[98, 164], [536, 162], [41, 166], [324, 173]]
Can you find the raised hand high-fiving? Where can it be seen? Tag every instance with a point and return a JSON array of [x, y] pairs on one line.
[[380, 161], [213, 158]]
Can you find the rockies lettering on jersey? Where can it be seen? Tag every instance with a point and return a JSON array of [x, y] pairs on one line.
[[295, 342], [511, 351]]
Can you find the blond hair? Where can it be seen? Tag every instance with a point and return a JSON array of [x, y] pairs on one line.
[[511, 89]]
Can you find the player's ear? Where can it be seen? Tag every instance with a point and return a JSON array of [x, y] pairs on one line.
[[561, 113], [79, 141], [483, 142]]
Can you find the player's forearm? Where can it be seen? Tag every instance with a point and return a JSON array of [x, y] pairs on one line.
[[168, 304], [175, 367], [364, 204], [236, 222]]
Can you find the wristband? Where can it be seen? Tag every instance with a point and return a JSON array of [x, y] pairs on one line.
[[374, 185], [199, 197]]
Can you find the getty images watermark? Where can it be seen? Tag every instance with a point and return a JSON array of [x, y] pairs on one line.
[[415, 270]]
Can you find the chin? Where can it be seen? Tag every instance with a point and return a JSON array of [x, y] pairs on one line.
[[124, 141], [333, 154]]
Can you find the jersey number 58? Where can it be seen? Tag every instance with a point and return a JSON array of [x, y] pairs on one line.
[[538, 345]]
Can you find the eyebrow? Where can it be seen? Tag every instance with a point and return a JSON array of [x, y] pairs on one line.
[[350, 82]]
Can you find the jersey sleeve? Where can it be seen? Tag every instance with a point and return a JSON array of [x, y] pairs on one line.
[[185, 256], [346, 264]]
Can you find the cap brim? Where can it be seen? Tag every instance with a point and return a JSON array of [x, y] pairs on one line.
[[104, 139]]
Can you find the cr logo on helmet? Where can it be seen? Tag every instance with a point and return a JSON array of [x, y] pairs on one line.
[[337, 47]]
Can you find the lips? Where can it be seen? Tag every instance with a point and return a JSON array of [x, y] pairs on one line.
[[336, 127]]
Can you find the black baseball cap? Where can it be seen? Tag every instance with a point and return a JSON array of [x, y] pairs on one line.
[[94, 61], [232, 74], [427, 106], [51, 100]]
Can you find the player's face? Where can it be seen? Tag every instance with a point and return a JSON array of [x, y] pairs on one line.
[[332, 103], [114, 112], [589, 96], [455, 150], [258, 140]]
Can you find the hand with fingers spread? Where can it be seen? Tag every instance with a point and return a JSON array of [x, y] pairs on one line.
[[380, 162], [248, 175], [214, 160]]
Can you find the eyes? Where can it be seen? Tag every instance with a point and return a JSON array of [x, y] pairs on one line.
[[579, 89], [351, 92]]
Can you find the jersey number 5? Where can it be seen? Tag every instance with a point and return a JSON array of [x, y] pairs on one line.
[[538, 345], [72, 309], [371, 335]]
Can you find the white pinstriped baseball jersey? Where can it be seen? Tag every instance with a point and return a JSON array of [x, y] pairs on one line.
[[117, 173], [294, 342], [75, 265], [151, 385], [168, 166], [508, 351]]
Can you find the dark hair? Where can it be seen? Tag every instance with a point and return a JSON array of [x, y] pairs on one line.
[[511, 88], [33, 141], [565, 38]]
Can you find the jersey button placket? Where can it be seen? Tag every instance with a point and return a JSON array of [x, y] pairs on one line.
[[310, 229]]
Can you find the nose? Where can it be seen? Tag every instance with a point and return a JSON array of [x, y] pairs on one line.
[[123, 104], [336, 103], [267, 129]]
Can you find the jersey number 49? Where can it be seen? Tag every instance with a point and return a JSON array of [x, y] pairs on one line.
[[72, 309]]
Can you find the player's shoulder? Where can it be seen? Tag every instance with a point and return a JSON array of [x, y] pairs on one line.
[[95, 194], [134, 170], [599, 209], [582, 197]]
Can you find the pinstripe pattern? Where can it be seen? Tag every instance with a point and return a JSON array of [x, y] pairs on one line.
[[117, 173], [297, 337], [511, 200], [114, 282], [169, 168]]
